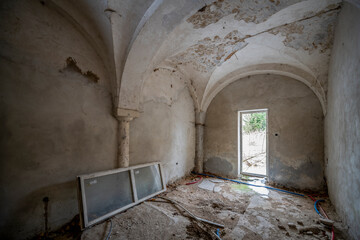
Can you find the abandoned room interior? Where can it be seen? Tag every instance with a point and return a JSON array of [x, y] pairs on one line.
[[180, 119]]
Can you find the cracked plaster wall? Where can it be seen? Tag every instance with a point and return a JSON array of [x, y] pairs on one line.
[[165, 131], [56, 123], [342, 123], [295, 114]]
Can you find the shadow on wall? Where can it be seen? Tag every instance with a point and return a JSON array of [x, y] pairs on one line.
[[220, 166], [30, 211], [283, 175]]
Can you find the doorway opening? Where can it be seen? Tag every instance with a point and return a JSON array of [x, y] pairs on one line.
[[253, 142]]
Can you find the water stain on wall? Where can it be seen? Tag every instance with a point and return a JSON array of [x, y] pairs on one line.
[[218, 166]]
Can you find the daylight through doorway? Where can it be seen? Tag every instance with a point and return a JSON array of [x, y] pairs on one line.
[[253, 142]]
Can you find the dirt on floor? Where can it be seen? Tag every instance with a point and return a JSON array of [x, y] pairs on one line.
[[246, 212]]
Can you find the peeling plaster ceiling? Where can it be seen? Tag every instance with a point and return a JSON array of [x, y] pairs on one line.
[[211, 43], [242, 10], [233, 36]]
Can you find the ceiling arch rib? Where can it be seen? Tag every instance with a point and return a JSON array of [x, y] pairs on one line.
[[186, 80], [125, 17], [259, 59], [139, 62]]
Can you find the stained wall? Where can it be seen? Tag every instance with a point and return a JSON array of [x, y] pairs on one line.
[[55, 117], [295, 130]]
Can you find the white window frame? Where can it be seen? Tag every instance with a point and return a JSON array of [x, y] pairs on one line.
[[82, 197]]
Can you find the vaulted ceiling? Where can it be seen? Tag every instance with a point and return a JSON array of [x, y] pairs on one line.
[[210, 43]]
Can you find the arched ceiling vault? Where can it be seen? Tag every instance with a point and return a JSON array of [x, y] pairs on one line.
[[211, 43], [223, 40]]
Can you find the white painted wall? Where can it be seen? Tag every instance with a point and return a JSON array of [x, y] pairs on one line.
[[342, 126]]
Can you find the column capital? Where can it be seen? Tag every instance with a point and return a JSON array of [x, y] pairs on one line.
[[126, 114], [124, 118], [200, 118]]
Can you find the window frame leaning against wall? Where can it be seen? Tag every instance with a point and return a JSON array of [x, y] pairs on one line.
[[132, 171]]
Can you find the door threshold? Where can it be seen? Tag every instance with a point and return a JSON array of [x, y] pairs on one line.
[[253, 175]]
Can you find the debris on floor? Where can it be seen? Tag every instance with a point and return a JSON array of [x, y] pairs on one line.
[[244, 213], [209, 185]]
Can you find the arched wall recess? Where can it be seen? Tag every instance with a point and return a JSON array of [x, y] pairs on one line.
[[278, 69]]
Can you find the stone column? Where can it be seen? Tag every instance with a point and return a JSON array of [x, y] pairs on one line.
[[124, 117], [199, 151], [124, 141]]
